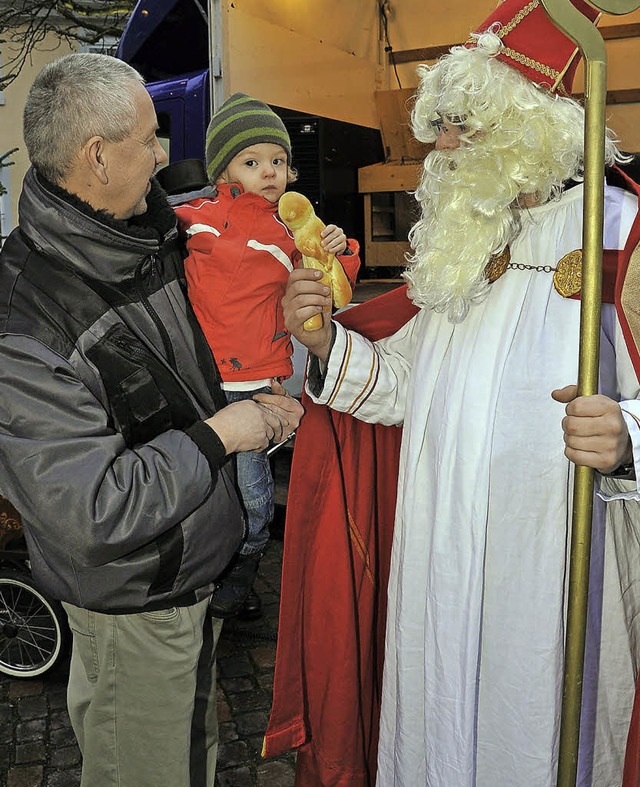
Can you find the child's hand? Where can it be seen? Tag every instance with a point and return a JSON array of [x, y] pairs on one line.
[[334, 240]]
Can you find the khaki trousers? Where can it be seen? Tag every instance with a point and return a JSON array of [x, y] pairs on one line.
[[142, 696]]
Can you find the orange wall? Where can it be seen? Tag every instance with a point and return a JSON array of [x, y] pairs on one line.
[[317, 57]]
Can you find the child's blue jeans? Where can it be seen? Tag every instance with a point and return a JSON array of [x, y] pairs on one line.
[[256, 487]]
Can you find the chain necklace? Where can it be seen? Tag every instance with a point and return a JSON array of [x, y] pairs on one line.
[[567, 274]]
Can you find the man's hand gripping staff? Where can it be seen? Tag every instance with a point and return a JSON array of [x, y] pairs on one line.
[[298, 214]]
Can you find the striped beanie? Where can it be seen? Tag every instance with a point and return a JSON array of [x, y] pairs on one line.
[[240, 122]]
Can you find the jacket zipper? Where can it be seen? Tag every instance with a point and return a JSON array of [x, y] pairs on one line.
[[164, 334]]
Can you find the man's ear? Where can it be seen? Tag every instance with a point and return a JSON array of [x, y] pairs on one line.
[[222, 178], [96, 158]]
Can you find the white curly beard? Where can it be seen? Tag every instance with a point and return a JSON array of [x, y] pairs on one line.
[[467, 217]]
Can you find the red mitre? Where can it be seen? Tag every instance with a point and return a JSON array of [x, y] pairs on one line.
[[533, 44]]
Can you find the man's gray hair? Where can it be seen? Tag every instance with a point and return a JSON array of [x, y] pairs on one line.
[[74, 98]]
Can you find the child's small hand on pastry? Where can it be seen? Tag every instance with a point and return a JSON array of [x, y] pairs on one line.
[[334, 240]]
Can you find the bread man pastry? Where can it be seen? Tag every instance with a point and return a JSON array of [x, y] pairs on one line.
[[298, 214]]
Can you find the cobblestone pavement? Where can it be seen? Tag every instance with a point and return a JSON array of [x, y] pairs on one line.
[[38, 747]]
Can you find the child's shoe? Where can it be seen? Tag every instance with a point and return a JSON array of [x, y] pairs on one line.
[[234, 586]]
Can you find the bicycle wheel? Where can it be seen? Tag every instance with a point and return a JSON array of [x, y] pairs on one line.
[[33, 629]]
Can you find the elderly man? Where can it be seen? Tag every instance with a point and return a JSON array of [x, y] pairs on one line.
[[114, 439], [477, 590]]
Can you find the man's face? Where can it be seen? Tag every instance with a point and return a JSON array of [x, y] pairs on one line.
[[448, 137], [260, 169], [133, 161], [448, 132]]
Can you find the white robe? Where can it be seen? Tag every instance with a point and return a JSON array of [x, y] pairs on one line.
[[477, 593]]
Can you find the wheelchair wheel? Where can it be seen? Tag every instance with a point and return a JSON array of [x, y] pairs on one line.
[[33, 629]]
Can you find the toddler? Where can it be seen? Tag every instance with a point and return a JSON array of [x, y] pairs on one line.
[[240, 255]]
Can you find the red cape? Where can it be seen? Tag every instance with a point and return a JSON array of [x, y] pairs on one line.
[[629, 315], [340, 513]]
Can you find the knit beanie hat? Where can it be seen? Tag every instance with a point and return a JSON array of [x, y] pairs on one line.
[[240, 122]]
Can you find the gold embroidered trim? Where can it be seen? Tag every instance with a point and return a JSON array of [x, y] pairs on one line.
[[567, 275], [365, 392], [343, 370], [518, 18], [529, 62], [556, 76]]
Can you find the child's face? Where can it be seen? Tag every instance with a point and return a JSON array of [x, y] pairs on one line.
[[260, 169]]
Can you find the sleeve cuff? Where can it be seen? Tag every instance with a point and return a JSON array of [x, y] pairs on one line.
[[209, 444], [623, 483], [316, 370], [353, 248]]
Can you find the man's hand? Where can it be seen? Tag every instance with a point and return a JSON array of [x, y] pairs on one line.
[[251, 425], [304, 298], [286, 409], [595, 433]]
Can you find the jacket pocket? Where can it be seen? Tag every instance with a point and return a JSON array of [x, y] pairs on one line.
[[144, 397]]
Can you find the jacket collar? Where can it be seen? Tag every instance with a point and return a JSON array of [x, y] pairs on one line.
[[235, 190], [98, 245]]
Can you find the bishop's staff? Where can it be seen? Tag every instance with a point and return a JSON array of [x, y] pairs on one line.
[[580, 30]]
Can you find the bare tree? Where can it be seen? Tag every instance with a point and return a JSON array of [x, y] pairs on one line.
[[24, 24]]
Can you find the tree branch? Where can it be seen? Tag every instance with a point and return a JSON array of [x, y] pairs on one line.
[[25, 24]]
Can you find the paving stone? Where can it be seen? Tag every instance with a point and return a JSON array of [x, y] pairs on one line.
[[252, 723], [65, 757], [232, 754], [6, 730], [24, 688], [271, 610], [30, 753], [58, 700], [276, 773], [28, 776], [5, 755], [255, 746], [224, 710], [247, 701], [58, 720], [265, 681], [6, 711], [62, 737], [32, 708], [66, 778], [264, 657], [30, 730], [227, 732], [236, 777], [236, 685], [236, 666]]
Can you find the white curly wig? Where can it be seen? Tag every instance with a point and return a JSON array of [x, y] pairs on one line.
[[518, 139]]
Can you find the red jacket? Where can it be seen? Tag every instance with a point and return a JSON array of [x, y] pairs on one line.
[[240, 257]]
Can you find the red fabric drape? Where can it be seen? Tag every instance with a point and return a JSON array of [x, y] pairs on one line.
[[340, 513], [631, 774]]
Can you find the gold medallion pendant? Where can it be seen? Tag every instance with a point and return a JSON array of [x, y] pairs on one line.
[[567, 278], [497, 265]]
